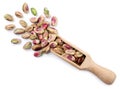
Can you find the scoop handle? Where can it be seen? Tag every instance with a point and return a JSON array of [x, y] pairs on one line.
[[106, 75]]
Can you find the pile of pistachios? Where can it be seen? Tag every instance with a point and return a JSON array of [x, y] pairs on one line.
[[42, 34]]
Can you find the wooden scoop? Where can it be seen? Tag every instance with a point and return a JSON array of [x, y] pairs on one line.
[[102, 73]]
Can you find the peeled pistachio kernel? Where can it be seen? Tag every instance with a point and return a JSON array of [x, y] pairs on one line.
[[29, 28], [46, 12], [23, 23], [37, 54], [70, 57], [25, 8], [34, 11], [19, 31], [8, 17], [33, 20], [53, 21], [59, 41], [26, 35], [36, 41], [10, 27], [27, 45], [80, 60], [58, 50], [70, 51], [44, 42], [15, 41], [18, 14], [33, 37], [78, 54], [45, 34], [36, 47], [53, 44], [66, 46], [52, 37], [40, 20], [52, 30]]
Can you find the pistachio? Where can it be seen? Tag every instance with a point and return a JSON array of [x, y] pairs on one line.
[[45, 25], [37, 54], [33, 20], [53, 44], [70, 51], [45, 34], [47, 49], [44, 42], [80, 60], [33, 37], [25, 8], [36, 47], [10, 27], [40, 36], [26, 35], [15, 41], [58, 50], [59, 41], [19, 31], [29, 28], [53, 21], [8, 17], [34, 11], [40, 20], [18, 14], [66, 46], [52, 37], [70, 57], [39, 30], [36, 41], [78, 54], [46, 12], [23, 23], [52, 30], [27, 45]]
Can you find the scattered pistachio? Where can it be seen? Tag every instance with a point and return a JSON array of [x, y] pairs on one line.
[[8, 17], [27, 45], [34, 11], [33, 36], [15, 41], [36, 47], [33, 20], [29, 28], [25, 8], [10, 27], [23, 23], [52, 30], [46, 12], [18, 14], [26, 35], [53, 21], [19, 31]]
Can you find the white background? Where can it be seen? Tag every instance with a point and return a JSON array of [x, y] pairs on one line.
[[92, 25]]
